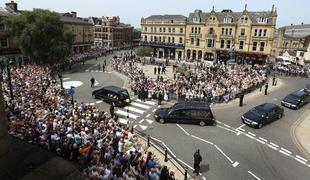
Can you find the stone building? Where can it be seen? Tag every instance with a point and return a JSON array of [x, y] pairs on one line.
[[166, 34], [111, 33], [82, 30]]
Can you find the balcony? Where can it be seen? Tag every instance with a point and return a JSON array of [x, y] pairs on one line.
[[163, 45]]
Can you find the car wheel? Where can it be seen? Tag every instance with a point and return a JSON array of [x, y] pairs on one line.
[[161, 120], [280, 116], [260, 125], [202, 123]]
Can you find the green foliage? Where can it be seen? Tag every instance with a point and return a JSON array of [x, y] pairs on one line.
[[183, 70], [41, 35], [144, 51]]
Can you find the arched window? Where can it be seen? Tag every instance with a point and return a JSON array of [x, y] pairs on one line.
[[211, 31]]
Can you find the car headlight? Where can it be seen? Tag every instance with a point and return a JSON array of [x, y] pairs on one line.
[[254, 123], [293, 105], [242, 117], [156, 116], [282, 101]]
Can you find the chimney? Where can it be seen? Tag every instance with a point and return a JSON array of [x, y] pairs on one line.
[[73, 13], [12, 5], [272, 10], [245, 7]]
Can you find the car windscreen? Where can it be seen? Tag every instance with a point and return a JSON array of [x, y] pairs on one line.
[[294, 97], [124, 94], [258, 112]]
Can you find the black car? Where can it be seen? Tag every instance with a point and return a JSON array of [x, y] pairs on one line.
[[307, 89], [186, 112], [262, 114], [112, 95], [296, 100]]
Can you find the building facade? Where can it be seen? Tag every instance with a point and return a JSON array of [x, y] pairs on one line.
[[82, 30], [165, 34], [111, 33], [248, 36], [8, 47]]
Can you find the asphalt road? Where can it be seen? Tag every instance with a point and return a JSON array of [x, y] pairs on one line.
[[230, 150]]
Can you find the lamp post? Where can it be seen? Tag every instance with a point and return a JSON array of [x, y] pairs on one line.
[[9, 77]]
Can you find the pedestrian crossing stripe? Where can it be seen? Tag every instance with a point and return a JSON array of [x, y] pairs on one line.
[[149, 121], [125, 113], [123, 121], [139, 111], [147, 102], [140, 105], [143, 127]]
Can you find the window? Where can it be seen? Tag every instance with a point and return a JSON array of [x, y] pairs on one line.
[[145, 29], [255, 32], [197, 42], [254, 46], [169, 30], [172, 39], [160, 29], [242, 32], [227, 20], [181, 30], [164, 39], [230, 31], [169, 39], [159, 38], [173, 30], [155, 29], [199, 30], [171, 21], [155, 38], [164, 29], [211, 31], [195, 30], [222, 43], [262, 46], [226, 31], [151, 29], [210, 43], [260, 32], [180, 40], [265, 32], [192, 30], [199, 114], [145, 38], [223, 30], [241, 43], [228, 44], [192, 40]]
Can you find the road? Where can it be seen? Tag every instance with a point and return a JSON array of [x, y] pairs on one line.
[[230, 150]]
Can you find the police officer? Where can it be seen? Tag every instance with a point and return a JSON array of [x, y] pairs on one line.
[[266, 88]]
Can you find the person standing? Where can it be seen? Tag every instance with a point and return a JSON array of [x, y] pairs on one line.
[[155, 70], [197, 161], [160, 97], [112, 110], [158, 70], [241, 96], [92, 81], [266, 89], [103, 67], [274, 80]]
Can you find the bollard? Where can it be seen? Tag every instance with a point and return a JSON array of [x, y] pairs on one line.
[[185, 174], [166, 155], [148, 140]]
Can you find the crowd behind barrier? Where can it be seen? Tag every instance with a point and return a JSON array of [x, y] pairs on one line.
[[213, 84], [291, 70], [40, 114]]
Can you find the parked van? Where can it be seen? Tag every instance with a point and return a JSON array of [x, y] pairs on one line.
[[112, 94], [186, 112]]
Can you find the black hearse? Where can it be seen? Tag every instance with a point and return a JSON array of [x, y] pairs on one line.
[[186, 112], [296, 100], [112, 94], [262, 114]]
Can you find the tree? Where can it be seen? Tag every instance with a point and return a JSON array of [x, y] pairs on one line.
[[144, 51], [41, 35]]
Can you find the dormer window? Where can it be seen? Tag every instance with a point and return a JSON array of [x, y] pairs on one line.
[[244, 20], [196, 19], [228, 20], [262, 20], [212, 20]]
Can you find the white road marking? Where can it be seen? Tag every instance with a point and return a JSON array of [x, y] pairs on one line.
[[124, 113], [223, 153], [143, 127], [251, 134], [190, 167], [299, 160], [302, 158], [134, 109], [202, 140], [253, 175], [141, 121], [238, 133], [98, 102], [147, 102], [289, 152], [154, 110], [68, 84], [135, 126], [226, 129], [92, 104], [272, 147], [241, 126], [156, 139], [204, 178], [148, 116], [149, 121], [227, 125], [274, 144], [183, 130], [262, 139], [219, 122], [235, 164], [169, 150], [241, 129], [285, 153], [96, 83], [65, 79], [123, 121], [140, 105]]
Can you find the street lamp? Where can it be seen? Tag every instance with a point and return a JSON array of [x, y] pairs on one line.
[[9, 77]]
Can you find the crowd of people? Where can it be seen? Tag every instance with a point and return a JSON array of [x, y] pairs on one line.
[[83, 56], [40, 114], [216, 84], [291, 70]]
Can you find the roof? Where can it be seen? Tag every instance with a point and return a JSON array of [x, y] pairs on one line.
[[165, 18], [67, 17], [4, 11], [114, 88], [191, 105], [265, 107], [297, 31], [298, 93], [96, 21]]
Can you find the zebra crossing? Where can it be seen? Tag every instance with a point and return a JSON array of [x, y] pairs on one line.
[[135, 113]]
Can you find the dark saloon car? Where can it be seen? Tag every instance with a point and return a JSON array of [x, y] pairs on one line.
[[112, 95], [296, 100], [262, 114], [186, 112], [307, 89]]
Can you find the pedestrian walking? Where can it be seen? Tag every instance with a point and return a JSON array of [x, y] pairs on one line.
[[112, 110], [197, 161], [155, 69], [164, 70], [158, 70], [99, 66], [241, 96], [103, 67], [273, 80], [266, 89], [92, 81], [160, 97]]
